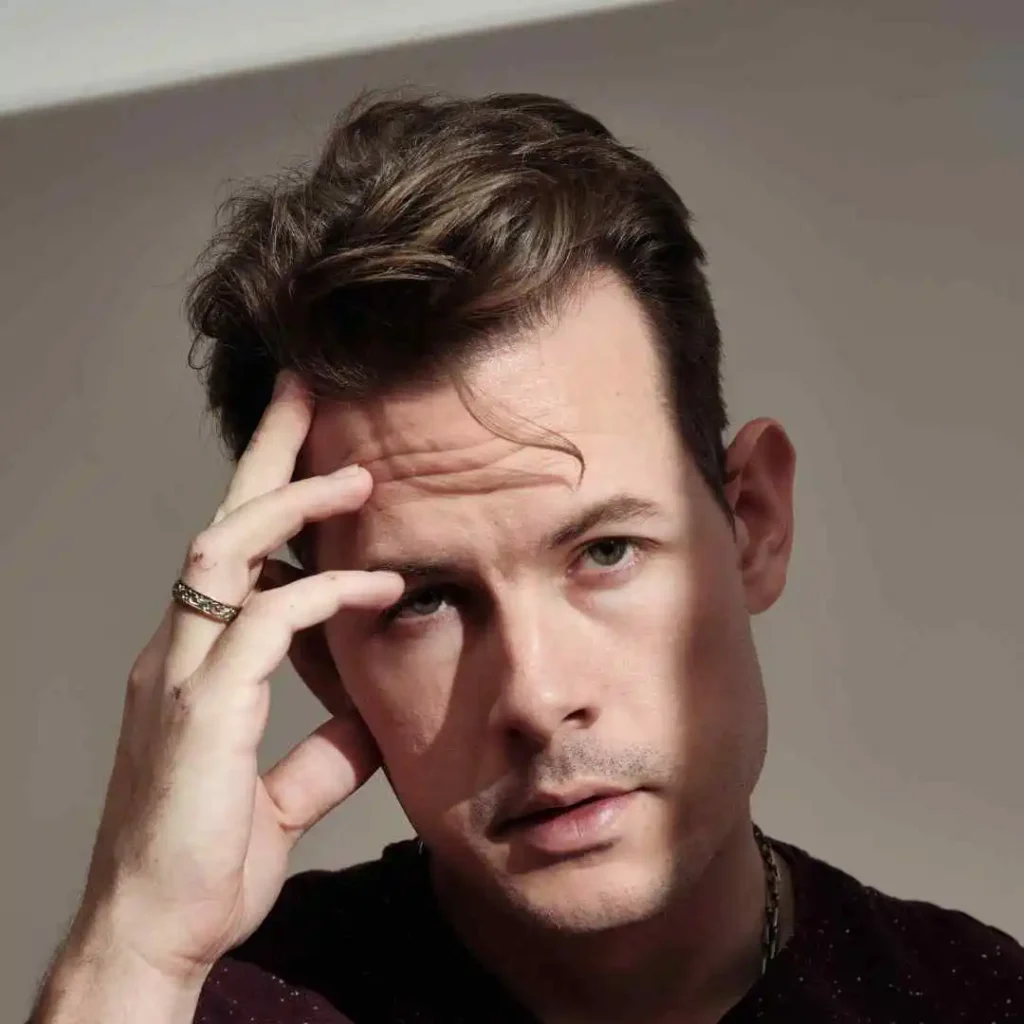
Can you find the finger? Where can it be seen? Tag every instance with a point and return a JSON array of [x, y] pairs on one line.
[[269, 458], [267, 463], [224, 561], [321, 772], [254, 645], [245, 537]]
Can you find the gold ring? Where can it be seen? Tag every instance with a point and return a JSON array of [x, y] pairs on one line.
[[191, 598]]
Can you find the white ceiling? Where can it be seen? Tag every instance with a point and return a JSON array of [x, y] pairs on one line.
[[58, 51]]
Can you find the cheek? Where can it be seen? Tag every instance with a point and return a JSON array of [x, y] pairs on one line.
[[691, 651], [416, 706], [723, 714], [715, 642], [402, 690]]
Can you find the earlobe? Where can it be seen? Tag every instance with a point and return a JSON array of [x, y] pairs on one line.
[[761, 462]]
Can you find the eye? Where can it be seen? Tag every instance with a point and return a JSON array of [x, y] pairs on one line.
[[610, 552], [420, 604]]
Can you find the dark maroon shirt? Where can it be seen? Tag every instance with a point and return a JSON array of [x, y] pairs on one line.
[[369, 945]]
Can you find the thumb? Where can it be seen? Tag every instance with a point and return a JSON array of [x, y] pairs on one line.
[[321, 772]]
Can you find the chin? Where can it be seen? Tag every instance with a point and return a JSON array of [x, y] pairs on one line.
[[589, 894]]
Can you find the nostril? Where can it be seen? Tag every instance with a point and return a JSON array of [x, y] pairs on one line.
[[582, 716]]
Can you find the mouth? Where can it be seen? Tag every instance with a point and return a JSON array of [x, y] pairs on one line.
[[569, 822]]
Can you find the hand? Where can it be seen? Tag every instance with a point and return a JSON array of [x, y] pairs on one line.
[[193, 844]]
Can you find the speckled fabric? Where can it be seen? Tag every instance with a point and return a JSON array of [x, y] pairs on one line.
[[367, 945]]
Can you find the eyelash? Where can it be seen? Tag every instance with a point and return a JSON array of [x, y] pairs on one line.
[[445, 591]]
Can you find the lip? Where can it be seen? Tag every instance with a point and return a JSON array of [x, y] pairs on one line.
[[570, 821]]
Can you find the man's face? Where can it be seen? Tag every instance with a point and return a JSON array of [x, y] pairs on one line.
[[562, 638]]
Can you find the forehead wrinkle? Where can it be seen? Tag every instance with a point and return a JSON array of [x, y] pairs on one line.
[[453, 483], [436, 459], [452, 532], [493, 464]]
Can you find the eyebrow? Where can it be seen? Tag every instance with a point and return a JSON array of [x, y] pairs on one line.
[[613, 511]]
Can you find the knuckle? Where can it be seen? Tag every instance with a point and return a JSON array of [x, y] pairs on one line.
[[142, 670], [138, 678], [145, 675], [262, 604], [205, 551], [266, 621]]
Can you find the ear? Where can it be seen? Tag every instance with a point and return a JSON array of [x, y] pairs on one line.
[[760, 465], [308, 653]]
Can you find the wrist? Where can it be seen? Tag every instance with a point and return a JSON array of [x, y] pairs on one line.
[[125, 928], [95, 979]]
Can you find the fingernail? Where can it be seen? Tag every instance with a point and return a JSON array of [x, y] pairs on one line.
[[348, 470]]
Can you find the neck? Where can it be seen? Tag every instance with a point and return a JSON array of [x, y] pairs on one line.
[[689, 963]]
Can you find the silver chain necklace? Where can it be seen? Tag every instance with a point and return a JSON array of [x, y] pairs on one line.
[[770, 932]]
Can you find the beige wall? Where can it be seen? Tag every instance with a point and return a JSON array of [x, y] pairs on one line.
[[856, 170]]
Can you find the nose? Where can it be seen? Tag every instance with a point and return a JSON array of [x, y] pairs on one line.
[[542, 684]]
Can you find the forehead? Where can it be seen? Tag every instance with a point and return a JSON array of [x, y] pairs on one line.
[[593, 371], [591, 378]]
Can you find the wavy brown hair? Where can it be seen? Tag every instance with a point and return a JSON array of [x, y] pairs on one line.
[[428, 229]]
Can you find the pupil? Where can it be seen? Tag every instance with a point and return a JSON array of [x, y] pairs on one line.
[[608, 552], [426, 602]]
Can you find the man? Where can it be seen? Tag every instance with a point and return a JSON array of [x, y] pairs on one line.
[[469, 368]]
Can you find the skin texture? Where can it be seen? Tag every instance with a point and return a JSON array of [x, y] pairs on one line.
[[525, 660]]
